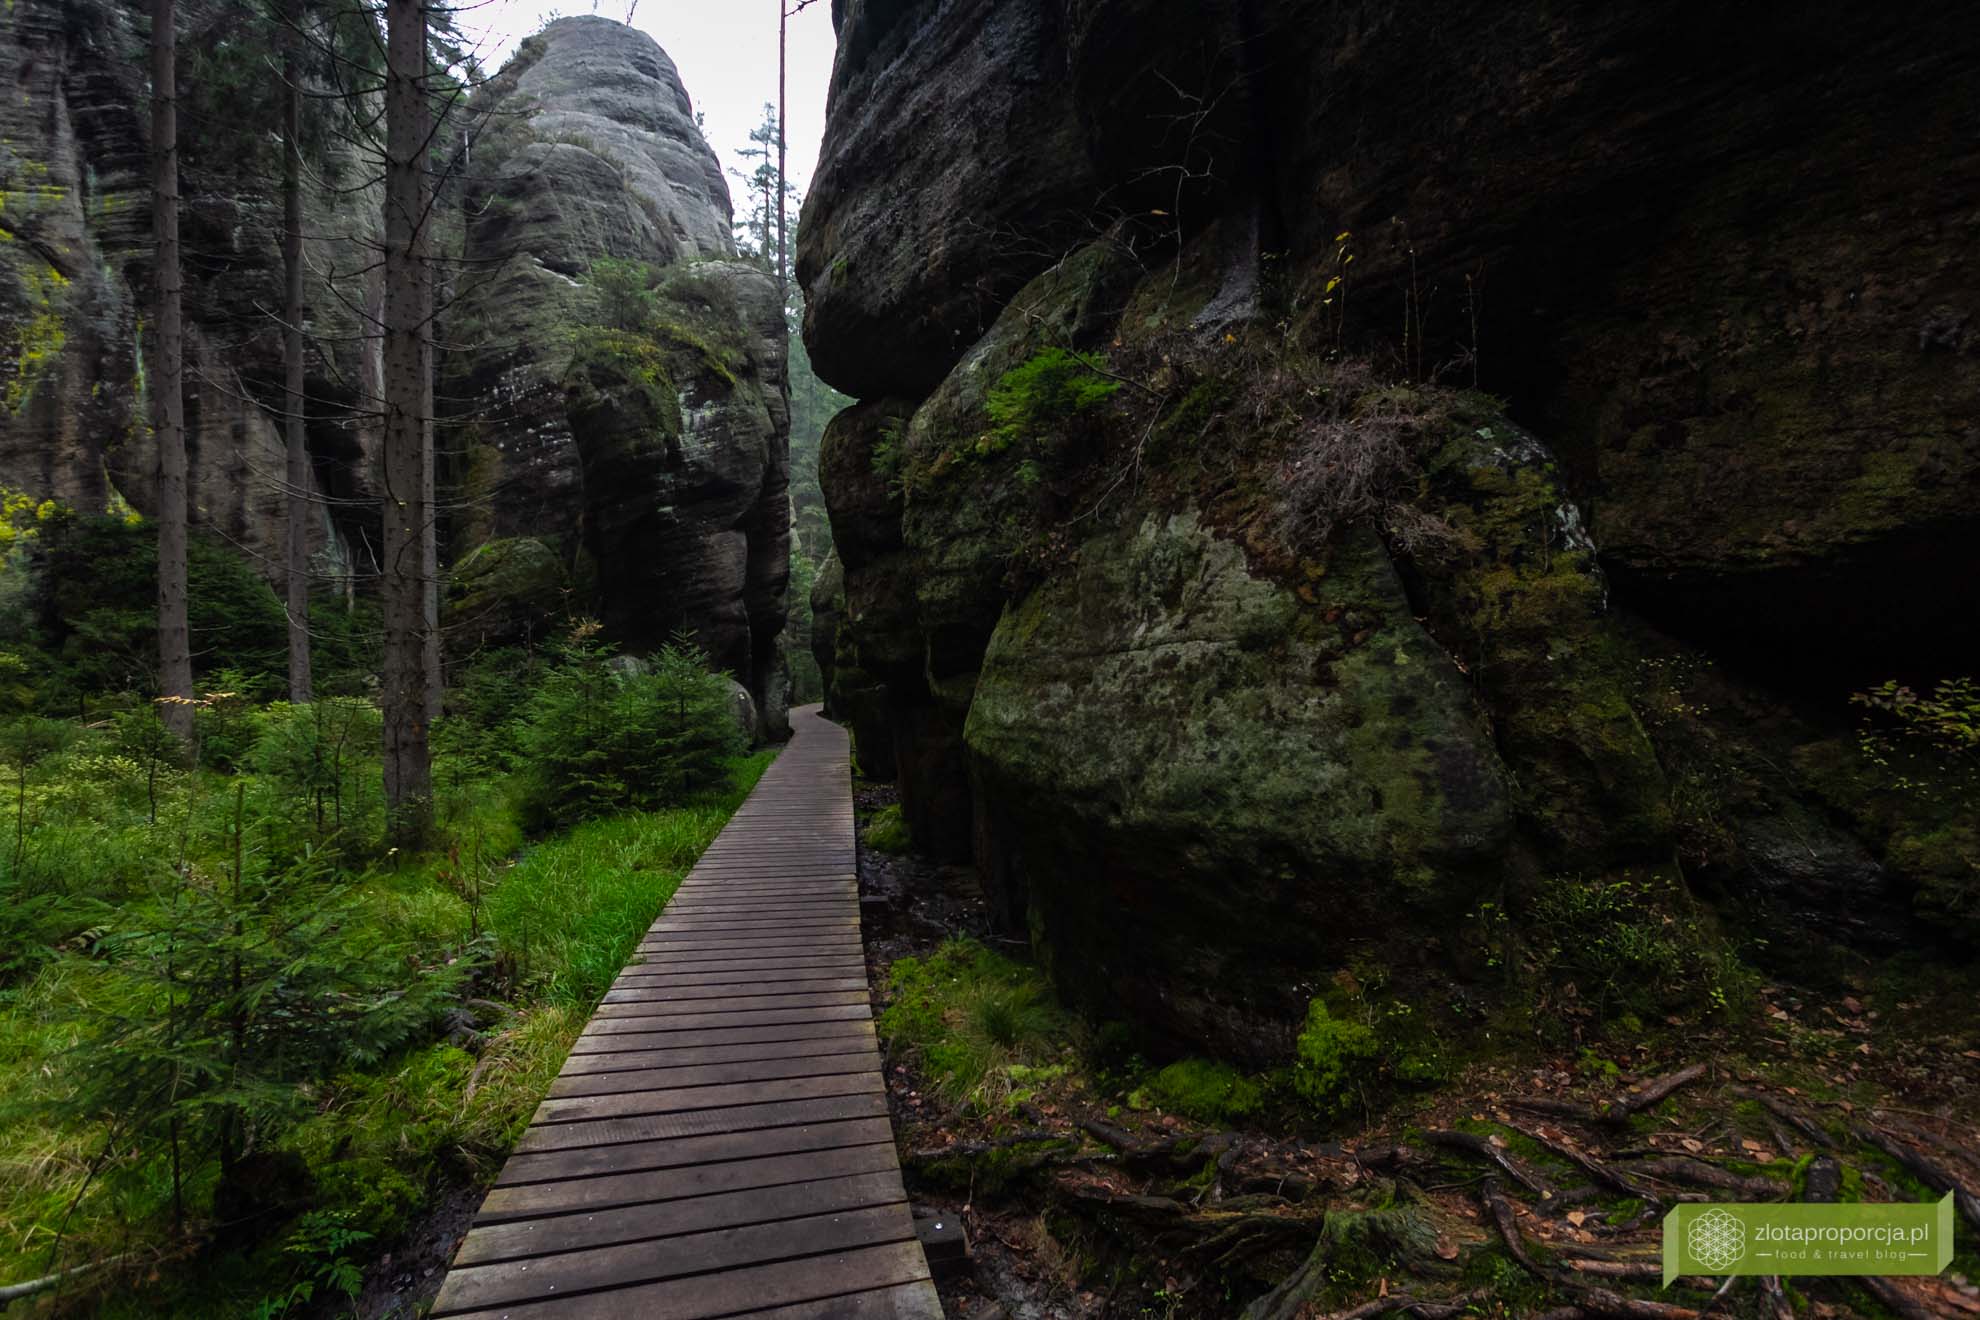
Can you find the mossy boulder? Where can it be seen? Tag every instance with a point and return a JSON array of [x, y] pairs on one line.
[[1202, 787], [510, 590]]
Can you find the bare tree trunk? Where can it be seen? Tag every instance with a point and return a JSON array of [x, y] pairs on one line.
[[429, 535], [298, 473], [408, 768], [783, 183], [168, 400]]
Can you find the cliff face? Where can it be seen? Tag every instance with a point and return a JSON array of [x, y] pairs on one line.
[[75, 224], [637, 471], [648, 446], [1197, 586]]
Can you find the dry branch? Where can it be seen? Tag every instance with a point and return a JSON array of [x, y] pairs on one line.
[[1635, 1102]]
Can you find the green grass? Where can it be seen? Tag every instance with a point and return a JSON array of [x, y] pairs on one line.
[[554, 926], [572, 909], [888, 831], [983, 1026]]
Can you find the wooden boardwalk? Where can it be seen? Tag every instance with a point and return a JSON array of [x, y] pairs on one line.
[[718, 1142]]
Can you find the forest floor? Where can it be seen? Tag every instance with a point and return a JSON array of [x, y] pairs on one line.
[[1531, 1184]]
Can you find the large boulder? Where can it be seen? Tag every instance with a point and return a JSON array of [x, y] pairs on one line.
[[904, 258], [650, 435], [1272, 655], [1239, 786]]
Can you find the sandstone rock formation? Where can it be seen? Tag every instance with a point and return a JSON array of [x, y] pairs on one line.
[[1195, 272], [637, 472], [651, 447], [74, 276]]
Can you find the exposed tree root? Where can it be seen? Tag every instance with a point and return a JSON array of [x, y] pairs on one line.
[[1485, 1150], [1603, 1174], [1922, 1168], [1697, 1173], [1788, 1114], [1602, 1302], [1894, 1298], [1507, 1222]]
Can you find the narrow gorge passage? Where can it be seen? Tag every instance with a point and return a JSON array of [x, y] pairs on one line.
[[717, 1142]]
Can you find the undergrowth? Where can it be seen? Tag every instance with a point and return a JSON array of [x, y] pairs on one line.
[[243, 1045], [986, 1029]]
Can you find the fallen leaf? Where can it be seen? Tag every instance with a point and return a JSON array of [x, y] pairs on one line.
[[1692, 1145], [1577, 1217], [1853, 1007]]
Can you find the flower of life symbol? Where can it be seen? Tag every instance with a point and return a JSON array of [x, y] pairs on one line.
[[1717, 1240]]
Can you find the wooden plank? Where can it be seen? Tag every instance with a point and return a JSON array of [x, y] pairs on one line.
[[717, 1142], [755, 967], [663, 941], [768, 919], [539, 1237], [541, 1200], [683, 955], [706, 946], [762, 1052], [744, 989], [703, 1297], [633, 1156], [704, 1097], [659, 1001], [627, 1264], [634, 1036], [725, 899], [648, 1017], [740, 1118], [658, 974], [903, 1301], [712, 1074]]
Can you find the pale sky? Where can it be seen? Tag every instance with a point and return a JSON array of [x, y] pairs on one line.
[[726, 51]]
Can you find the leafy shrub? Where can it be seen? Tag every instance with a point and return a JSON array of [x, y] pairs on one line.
[[889, 458], [600, 739], [1610, 939], [1942, 726]]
